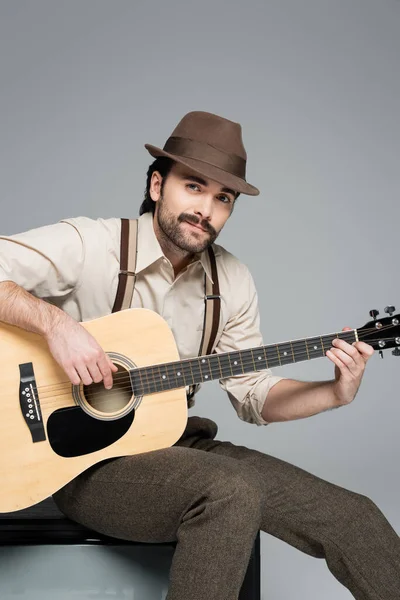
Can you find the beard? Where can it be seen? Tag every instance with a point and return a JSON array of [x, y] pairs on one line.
[[184, 238]]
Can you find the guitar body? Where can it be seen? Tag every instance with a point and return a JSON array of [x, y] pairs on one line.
[[78, 425]]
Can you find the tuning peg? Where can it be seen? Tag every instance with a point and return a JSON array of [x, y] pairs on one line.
[[374, 313], [390, 310], [381, 353], [396, 352]]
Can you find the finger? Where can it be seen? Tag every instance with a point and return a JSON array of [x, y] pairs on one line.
[[336, 361], [112, 366], [346, 329], [366, 349], [105, 370], [349, 349], [84, 374], [95, 372], [345, 359], [73, 376]]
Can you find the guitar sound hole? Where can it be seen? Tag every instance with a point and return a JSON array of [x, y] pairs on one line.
[[110, 401]]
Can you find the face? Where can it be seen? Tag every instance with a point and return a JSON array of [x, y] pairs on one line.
[[192, 209]]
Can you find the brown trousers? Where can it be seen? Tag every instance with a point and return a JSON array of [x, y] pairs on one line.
[[213, 496]]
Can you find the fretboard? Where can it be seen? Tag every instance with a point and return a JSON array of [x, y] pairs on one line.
[[168, 376]]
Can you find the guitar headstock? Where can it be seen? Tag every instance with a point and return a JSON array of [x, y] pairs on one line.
[[383, 333]]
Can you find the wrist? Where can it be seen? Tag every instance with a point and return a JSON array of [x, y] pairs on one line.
[[337, 399], [53, 319]]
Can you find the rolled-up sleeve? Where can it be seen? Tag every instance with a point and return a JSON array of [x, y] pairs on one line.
[[46, 261], [242, 331]]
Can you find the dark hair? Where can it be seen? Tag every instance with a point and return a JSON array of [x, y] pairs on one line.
[[162, 164]]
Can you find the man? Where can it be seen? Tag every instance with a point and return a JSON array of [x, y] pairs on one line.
[[212, 496]]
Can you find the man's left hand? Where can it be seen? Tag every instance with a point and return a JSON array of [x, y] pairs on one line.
[[350, 361]]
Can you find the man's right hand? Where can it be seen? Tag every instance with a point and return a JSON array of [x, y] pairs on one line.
[[79, 354]]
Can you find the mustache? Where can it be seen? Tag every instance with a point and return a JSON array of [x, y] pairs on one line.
[[191, 219]]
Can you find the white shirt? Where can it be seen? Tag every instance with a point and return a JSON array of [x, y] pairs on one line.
[[74, 264]]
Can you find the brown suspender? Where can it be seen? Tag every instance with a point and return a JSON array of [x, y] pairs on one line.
[[126, 285], [127, 265], [212, 307]]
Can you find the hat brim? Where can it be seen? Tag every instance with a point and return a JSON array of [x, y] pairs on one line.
[[202, 168]]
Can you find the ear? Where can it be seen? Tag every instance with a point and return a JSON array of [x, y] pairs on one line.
[[155, 186]]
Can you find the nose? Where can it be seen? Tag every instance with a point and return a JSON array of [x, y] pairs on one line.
[[204, 207]]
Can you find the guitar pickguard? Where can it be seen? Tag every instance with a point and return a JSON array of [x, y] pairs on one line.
[[72, 432]]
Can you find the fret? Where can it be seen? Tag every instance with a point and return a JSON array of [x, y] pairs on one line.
[[228, 358], [241, 362], [191, 372], [252, 359], [291, 346], [265, 355], [328, 340], [171, 373], [235, 367], [197, 370], [224, 368], [270, 353], [150, 381], [308, 355], [279, 354], [259, 359], [162, 375], [187, 372], [210, 366], [300, 348], [147, 378], [315, 348], [178, 372], [168, 373], [204, 370], [219, 366], [136, 390], [284, 354], [134, 387], [245, 360], [214, 367]]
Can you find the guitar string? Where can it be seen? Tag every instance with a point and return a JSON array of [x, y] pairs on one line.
[[117, 390], [195, 371], [223, 358]]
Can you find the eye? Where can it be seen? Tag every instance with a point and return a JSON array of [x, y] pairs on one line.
[[193, 184], [228, 200]]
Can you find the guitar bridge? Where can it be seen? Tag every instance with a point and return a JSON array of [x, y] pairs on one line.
[[29, 402]]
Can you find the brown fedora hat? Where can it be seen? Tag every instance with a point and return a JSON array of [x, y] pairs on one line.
[[212, 146]]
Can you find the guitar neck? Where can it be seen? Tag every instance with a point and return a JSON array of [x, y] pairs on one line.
[[168, 376]]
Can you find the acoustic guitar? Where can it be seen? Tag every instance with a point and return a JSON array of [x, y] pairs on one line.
[[52, 430]]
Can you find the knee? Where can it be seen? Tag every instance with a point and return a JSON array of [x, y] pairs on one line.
[[242, 489], [366, 506], [357, 507]]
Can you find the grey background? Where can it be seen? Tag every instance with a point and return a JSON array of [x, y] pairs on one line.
[[315, 85]]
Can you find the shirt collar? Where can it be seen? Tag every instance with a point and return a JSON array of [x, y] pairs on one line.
[[149, 249]]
